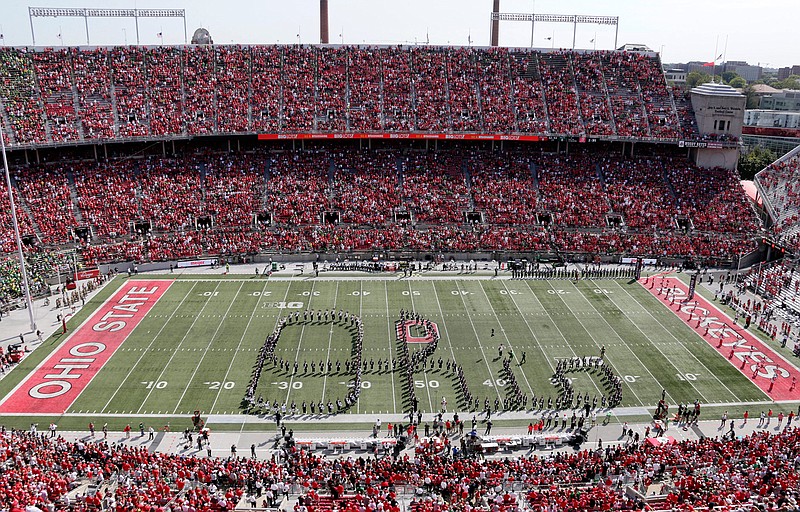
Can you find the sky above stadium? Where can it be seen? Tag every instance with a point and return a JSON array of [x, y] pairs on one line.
[[758, 32]]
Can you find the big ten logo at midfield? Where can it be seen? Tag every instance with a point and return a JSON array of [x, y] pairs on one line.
[[743, 350], [417, 331]]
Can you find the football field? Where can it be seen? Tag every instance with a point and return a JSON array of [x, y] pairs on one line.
[[196, 346]]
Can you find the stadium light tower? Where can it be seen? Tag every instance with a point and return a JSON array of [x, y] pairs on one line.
[[575, 19], [23, 272]]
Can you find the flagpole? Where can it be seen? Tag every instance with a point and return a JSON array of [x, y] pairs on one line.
[[725, 50], [24, 273], [714, 67]]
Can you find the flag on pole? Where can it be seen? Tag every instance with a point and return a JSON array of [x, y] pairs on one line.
[[591, 40], [160, 34]]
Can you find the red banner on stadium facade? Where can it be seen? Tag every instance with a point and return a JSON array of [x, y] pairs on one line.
[[412, 136], [59, 380], [767, 369]]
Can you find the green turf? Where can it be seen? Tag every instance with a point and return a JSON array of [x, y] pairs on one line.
[[196, 348]]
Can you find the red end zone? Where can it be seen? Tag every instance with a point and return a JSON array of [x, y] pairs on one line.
[[756, 360], [60, 379]]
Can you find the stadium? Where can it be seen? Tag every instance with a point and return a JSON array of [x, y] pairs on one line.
[[408, 277]]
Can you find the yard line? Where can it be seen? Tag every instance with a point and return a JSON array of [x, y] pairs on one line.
[[330, 340], [145, 351], [478, 338], [624, 342], [189, 383], [425, 367], [175, 352], [502, 330], [552, 321], [249, 321], [300, 341], [684, 347], [390, 336]]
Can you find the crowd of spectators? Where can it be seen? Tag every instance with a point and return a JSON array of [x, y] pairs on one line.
[[232, 69], [91, 72], [62, 95], [332, 73], [38, 265], [562, 97], [594, 101], [299, 67], [434, 187], [432, 101], [712, 198], [759, 470], [46, 192], [20, 98], [364, 85], [494, 68], [199, 87], [462, 80], [170, 192], [780, 184], [166, 106], [107, 196], [366, 187], [298, 187], [52, 70], [623, 89], [213, 202], [128, 67], [570, 188], [528, 94], [637, 190], [7, 240], [265, 85], [234, 188], [503, 188]]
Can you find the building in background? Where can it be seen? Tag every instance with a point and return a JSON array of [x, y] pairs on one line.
[[784, 73], [743, 69], [786, 99], [676, 75]]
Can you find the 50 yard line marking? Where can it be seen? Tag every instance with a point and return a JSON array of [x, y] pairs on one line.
[[147, 350], [425, 368], [205, 352], [175, 352], [328, 353], [249, 321]]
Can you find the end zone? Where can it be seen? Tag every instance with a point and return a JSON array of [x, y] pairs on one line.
[[59, 380], [753, 358]]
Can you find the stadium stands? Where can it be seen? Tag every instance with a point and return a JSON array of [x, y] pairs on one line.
[[207, 202], [556, 199], [755, 472], [73, 94], [779, 186]]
